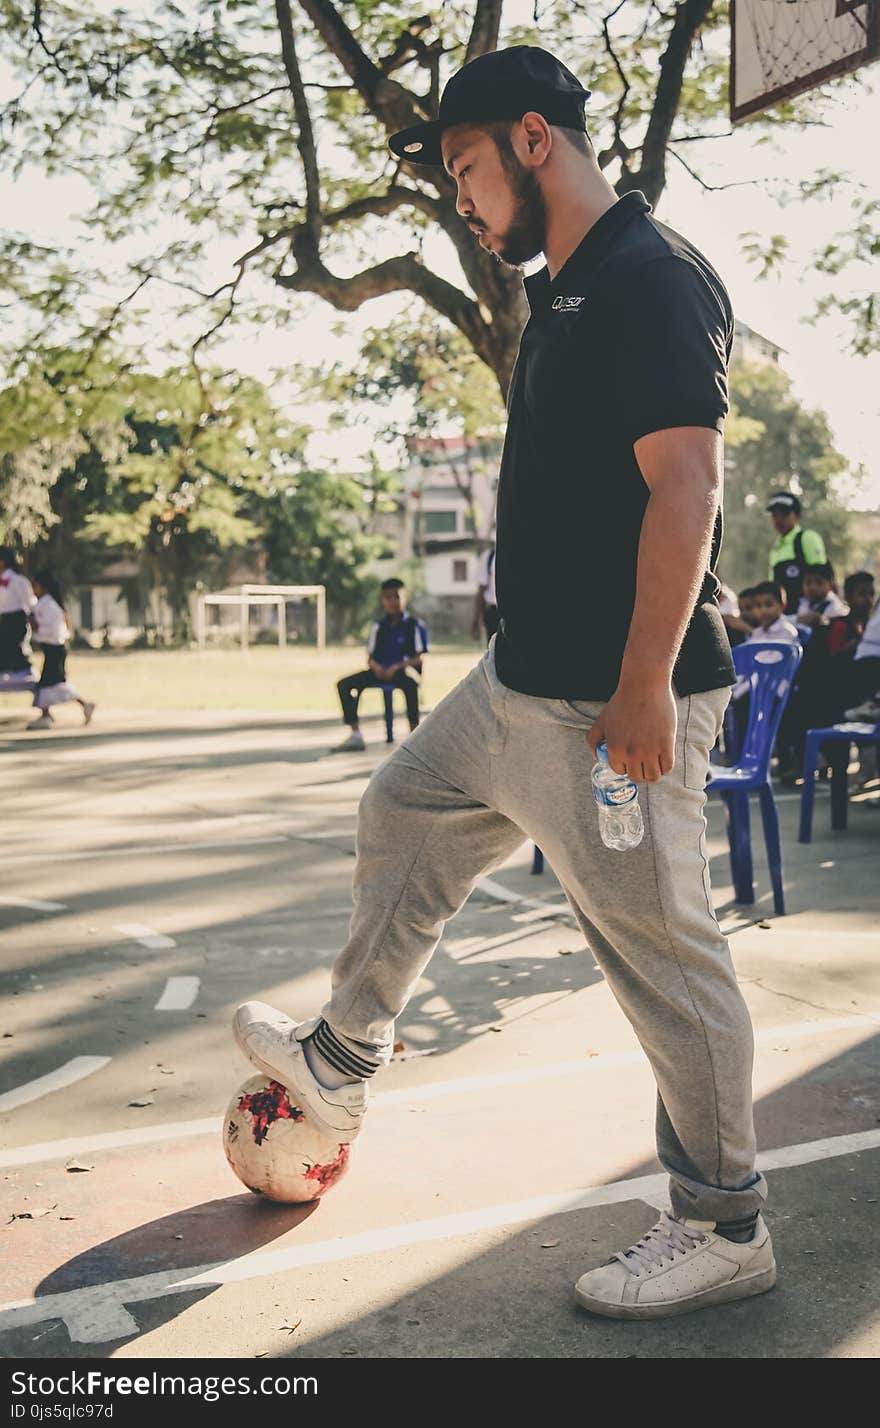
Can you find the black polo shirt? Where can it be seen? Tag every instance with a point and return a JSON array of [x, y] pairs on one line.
[[632, 336]]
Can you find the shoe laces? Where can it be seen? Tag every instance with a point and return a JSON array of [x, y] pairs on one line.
[[667, 1239]]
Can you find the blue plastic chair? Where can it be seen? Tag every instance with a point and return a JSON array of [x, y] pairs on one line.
[[845, 734], [769, 669], [388, 692]]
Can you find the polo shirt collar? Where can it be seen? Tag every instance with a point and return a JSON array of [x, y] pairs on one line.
[[591, 249]]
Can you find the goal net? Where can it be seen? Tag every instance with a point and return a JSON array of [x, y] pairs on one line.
[[274, 605]]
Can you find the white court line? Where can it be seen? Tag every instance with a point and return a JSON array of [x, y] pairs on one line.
[[36, 904], [179, 993], [97, 1313], [45, 1150], [162, 846], [65, 1075], [503, 894], [146, 936]]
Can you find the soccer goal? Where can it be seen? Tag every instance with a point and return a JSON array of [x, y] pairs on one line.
[[278, 595]]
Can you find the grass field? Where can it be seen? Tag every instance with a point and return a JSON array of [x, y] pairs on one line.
[[266, 679]]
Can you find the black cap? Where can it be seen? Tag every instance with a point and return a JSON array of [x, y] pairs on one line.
[[505, 84], [784, 501]]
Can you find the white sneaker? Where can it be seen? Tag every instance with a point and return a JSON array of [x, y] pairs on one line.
[[354, 744], [45, 721], [680, 1265], [273, 1043], [88, 711]]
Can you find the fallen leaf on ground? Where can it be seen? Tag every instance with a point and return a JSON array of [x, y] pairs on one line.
[[67, 1217], [143, 1101], [411, 1055], [36, 1213], [565, 951], [261, 1353], [400, 1046], [764, 925], [496, 1028], [289, 1328], [77, 1167], [549, 1244]]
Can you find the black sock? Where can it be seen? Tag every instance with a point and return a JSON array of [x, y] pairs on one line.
[[738, 1231]]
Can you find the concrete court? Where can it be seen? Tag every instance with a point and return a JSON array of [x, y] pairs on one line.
[[138, 857]]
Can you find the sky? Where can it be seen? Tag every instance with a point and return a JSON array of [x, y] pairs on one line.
[[825, 375]]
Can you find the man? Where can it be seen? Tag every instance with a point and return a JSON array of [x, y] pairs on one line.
[[610, 481], [17, 600], [395, 649], [485, 620], [794, 548]]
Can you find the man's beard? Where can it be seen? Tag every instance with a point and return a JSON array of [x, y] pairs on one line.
[[527, 234]]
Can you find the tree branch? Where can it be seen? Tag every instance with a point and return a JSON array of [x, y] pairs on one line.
[[484, 31], [618, 149], [403, 274], [690, 16], [306, 134], [388, 100]]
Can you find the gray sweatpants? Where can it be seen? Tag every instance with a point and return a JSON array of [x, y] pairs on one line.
[[491, 767]]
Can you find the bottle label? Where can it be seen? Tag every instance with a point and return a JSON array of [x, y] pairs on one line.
[[616, 797]]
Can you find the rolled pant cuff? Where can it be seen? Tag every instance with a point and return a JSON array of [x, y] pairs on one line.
[[692, 1201]]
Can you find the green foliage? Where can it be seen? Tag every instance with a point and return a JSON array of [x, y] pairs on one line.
[[183, 471], [186, 109], [428, 362], [776, 445]]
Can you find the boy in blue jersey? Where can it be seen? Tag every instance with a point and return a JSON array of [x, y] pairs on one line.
[[395, 649]]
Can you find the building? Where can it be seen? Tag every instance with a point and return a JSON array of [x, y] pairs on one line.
[[449, 489]]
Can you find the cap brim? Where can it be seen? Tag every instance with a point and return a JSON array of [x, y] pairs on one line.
[[419, 145]]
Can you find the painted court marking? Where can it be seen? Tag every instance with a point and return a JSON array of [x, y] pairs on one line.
[[35, 904], [41, 1151], [146, 936], [65, 1075], [153, 848], [503, 894], [179, 993], [98, 1314]]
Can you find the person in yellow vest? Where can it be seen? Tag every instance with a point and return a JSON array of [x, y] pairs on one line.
[[794, 548]]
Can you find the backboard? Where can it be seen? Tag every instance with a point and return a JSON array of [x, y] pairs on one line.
[[780, 48]]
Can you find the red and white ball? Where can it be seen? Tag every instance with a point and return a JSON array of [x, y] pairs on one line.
[[274, 1147]]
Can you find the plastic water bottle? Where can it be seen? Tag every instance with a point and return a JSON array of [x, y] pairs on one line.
[[617, 800]]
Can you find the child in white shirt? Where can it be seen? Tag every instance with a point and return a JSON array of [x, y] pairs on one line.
[[51, 632], [768, 605]]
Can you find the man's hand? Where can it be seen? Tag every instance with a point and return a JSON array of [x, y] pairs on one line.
[[638, 724]]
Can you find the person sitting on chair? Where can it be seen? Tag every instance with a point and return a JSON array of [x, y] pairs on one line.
[[396, 647], [17, 600], [820, 602]]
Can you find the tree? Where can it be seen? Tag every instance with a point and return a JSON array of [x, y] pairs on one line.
[[186, 470], [775, 444], [242, 117], [51, 418]]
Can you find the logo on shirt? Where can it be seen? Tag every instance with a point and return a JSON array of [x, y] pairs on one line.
[[566, 304]]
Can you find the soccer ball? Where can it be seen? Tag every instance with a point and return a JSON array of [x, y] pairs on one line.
[[274, 1147]]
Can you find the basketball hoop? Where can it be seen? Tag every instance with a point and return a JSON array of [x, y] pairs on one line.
[[782, 48]]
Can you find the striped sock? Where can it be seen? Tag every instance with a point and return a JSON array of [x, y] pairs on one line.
[[337, 1058], [738, 1231]]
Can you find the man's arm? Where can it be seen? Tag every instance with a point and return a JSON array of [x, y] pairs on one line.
[[814, 548], [683, 470]]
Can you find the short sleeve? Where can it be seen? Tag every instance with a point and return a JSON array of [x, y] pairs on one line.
[[814, 548], [672, 350]]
